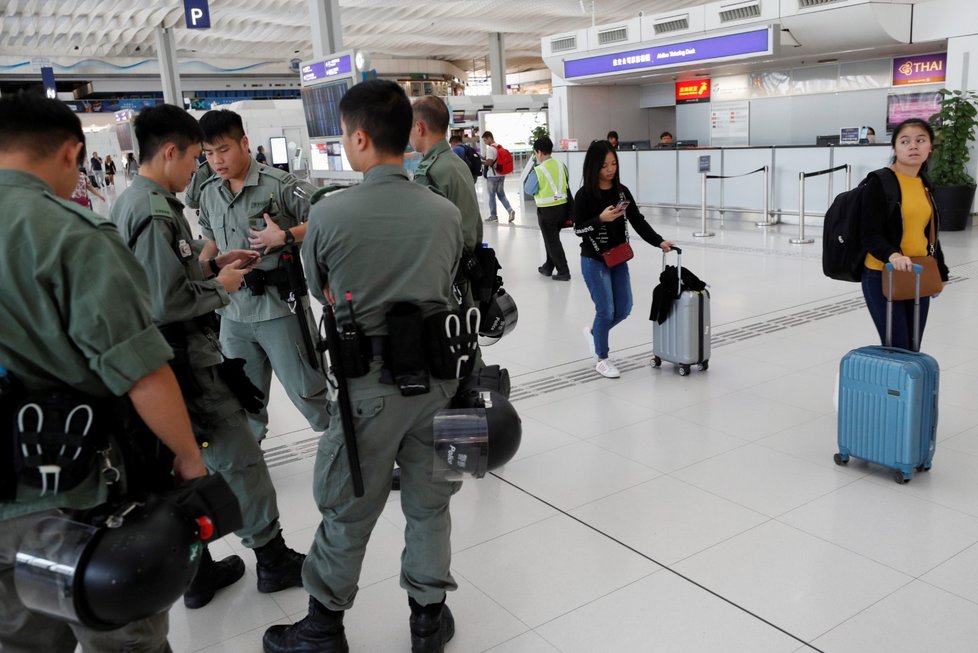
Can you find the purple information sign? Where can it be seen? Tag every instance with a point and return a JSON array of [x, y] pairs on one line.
[[325, 69], [674, 54], [920, 69]]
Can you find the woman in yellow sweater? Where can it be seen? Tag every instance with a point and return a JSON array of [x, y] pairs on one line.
[[894, 233]]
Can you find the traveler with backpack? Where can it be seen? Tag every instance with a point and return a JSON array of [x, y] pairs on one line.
[[499, 163], [897, 211], [468, 154]]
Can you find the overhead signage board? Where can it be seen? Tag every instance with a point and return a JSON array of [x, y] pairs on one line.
[[197, 14], [327, 69], [920, 69], [693, 91], [714, 48]]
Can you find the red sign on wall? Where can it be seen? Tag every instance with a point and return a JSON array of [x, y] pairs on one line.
[[695, 90]]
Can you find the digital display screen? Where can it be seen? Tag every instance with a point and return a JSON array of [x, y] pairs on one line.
[[321, 105], [341, 65], [123, 132], [280, 150], [911, 105], [329, 157]]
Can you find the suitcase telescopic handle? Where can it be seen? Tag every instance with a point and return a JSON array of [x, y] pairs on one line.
[[679, 268], [917, 271]]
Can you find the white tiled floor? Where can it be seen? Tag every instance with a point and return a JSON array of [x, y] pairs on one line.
[[662, 513]]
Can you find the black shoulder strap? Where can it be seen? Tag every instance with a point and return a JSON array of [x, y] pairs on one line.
[[138, 231], [891, 187]]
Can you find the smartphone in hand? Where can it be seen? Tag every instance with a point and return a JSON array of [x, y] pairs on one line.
[[622, 205]]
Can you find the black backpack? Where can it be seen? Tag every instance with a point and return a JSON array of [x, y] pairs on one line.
[[843, 253], [473, 160]]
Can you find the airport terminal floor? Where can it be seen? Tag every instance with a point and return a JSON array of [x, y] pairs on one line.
[[674, 514]]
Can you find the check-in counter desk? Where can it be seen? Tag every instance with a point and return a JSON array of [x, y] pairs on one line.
[[668, 182]]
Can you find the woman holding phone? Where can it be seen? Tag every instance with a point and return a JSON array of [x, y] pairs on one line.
[[601, 208]]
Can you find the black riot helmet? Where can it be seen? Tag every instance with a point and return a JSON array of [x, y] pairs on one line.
[[499, 317], [480, 433], [125, 565]]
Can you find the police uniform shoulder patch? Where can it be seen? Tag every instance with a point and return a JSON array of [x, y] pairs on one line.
[[275, 173], [89, 216], [159, 206]]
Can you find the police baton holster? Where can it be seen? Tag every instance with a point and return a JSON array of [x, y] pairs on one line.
[[343, 398], [291, 284]]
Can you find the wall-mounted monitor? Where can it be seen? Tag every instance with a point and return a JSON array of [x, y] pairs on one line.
[[321, 105], [329, 156], [280, 150], [911, 105]]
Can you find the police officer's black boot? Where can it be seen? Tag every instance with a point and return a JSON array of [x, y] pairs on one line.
[[212, 576], [320, 631], [431, 627], [279, 567]]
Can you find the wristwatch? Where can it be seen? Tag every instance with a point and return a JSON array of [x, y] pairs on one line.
[[289, 237]]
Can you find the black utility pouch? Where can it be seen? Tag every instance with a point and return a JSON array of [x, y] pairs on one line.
[[449, 345], [57, 437], [255, 282], [231, 371], [488, 280], [405, 349], [355, 351]]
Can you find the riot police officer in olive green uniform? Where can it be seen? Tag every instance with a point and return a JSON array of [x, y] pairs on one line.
[[442, 170], [201, 174], [247, 204], [74, 309], [150, 219], [418, 236]]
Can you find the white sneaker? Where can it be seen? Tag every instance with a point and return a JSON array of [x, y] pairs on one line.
[[589, 337], [512, 215], [607, 369]]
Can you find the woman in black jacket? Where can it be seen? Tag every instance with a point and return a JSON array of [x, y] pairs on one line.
[[895, 232], [601, 207]]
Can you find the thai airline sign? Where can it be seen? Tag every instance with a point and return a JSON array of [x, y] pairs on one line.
[[729, 46], [920, 69]]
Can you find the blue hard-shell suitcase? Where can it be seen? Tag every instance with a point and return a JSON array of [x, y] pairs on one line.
[[888, 406]]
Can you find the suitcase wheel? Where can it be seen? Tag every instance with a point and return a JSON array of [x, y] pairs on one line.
[[704, 366], [900, 478], [840, 459], [683, 370], [656, 361], [922, 468]]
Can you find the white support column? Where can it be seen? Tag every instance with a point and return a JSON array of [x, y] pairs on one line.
[[497, 64], [327, 31], [166, 50]]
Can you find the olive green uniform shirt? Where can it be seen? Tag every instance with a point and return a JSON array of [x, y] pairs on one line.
[[74, 311], [442, 170], [384, 241], [226, 218], [202, 174], [168, 253]]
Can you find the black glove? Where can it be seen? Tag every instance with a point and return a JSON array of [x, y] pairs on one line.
[[232, 371]]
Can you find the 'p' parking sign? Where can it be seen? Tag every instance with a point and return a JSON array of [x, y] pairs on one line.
[[197, 14]]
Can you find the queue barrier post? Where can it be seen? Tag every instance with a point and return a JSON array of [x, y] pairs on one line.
[[703, 233]]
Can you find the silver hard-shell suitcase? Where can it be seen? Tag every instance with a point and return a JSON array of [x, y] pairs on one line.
[[684, 337]]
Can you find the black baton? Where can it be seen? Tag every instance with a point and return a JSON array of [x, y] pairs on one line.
[[343, 399], [297, 288]]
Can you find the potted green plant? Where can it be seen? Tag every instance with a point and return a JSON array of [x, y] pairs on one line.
[[954, 188], [538, 132]]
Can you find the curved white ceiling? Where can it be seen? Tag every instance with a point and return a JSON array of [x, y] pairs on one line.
[[452, 30]]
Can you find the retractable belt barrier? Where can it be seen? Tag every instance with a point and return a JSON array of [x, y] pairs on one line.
[[703, 233], [802, 176]]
